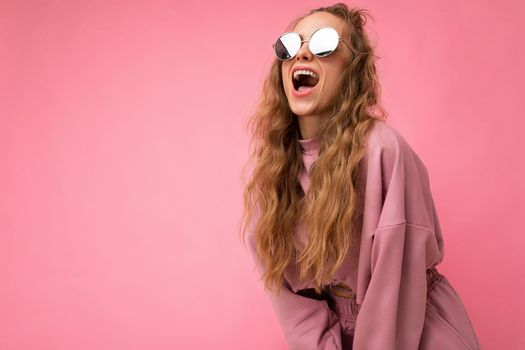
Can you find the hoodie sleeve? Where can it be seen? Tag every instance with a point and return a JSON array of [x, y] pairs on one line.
[[307, 324], [402, 240]]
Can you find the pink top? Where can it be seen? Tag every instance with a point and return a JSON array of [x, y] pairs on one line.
[[400, 239]]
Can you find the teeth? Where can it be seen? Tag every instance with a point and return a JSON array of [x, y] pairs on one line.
[[304, 71]]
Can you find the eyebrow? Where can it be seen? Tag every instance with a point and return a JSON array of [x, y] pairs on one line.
[[302, 35]]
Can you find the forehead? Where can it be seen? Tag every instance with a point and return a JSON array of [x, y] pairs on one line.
[[306, 26]]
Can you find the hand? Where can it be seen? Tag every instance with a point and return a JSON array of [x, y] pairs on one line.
[[341, 290]]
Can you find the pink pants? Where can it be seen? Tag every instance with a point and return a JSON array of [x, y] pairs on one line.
[[447, 325], [347, 310]]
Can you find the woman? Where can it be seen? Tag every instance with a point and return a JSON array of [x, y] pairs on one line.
[[339, 214]]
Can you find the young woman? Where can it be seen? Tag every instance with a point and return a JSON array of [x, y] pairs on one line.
[[339, 214]]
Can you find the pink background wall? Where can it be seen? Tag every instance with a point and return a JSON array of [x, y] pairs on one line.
[[121, 143]]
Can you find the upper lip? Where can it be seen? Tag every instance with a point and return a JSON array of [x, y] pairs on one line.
[[304, 67]]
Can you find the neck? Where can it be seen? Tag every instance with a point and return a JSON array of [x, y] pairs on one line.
[[309, 125]]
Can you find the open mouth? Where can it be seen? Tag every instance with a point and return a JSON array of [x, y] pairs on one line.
[[304, 80]]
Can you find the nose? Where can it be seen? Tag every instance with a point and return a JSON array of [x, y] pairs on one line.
[[304, 52]]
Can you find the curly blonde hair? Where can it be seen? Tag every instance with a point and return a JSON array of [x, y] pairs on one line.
[[331, 209]]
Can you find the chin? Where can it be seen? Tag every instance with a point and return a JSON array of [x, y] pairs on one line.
[[301, 112]]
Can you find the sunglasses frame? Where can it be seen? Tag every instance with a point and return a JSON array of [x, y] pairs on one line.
[[308, 40]]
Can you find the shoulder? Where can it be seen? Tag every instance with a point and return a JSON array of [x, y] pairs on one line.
[[388, 147], [384, 137]]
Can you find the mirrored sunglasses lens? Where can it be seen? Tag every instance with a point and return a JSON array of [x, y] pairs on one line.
[[287, 46], [324, 41]]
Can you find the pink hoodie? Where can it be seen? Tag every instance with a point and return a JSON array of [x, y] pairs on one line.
[[399, 303]]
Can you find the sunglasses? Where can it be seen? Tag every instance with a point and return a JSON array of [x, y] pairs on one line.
[[322, 43]]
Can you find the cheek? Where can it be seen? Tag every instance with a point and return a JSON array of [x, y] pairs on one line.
[[333, 78], [285, 71], [334, 67], [332, 83]]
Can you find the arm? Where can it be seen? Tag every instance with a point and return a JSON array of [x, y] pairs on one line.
[[307, 324], [402, 239], [393, 311]]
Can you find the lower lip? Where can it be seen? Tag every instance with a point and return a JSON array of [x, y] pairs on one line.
[[305, 92]]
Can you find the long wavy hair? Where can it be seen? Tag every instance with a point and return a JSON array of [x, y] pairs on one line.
[[331, 210]]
